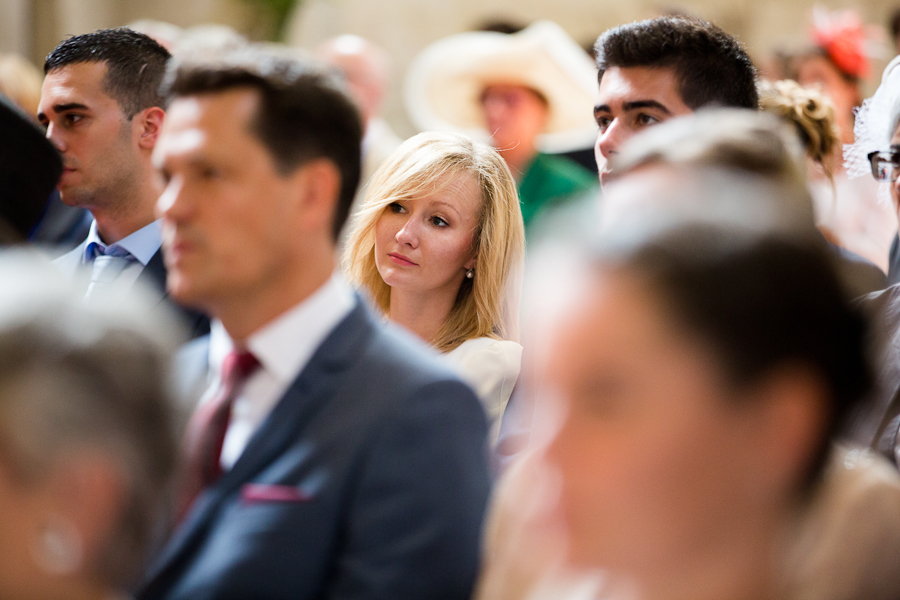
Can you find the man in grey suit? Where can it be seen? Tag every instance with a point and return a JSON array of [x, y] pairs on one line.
[[332, 456], [101, 107]]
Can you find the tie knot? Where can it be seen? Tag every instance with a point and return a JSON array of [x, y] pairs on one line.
[[238, 365], [96, 250]]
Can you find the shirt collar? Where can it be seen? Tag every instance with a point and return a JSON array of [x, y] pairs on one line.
[[142, 244], [285, 345]]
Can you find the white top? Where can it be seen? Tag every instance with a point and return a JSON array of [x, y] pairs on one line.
[[491, 367], [283, 348]]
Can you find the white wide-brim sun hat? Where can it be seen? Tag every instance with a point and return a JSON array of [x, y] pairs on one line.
[[445, 82]]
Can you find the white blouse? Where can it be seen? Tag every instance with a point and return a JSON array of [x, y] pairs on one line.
[[491, 367]]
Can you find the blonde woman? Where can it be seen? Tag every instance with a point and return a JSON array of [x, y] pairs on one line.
[[437, 245]]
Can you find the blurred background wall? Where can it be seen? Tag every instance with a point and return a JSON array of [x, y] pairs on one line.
[[403, 27]]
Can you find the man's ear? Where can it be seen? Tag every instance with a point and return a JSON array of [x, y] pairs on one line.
[[148, 124], [319, 185], [794, 419]]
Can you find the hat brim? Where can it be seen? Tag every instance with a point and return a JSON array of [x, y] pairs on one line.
[[445, 82]]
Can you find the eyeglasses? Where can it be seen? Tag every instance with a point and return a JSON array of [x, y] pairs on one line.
[[885, 165]]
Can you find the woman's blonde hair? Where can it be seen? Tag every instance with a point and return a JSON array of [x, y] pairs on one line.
[[423, 165], [812, 115]]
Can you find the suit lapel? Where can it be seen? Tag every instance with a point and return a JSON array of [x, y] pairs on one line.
[[153, 276], [305, 397], [885, 438], [70, 262]]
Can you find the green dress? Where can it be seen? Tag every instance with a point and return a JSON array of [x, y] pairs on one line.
[[550, 181]]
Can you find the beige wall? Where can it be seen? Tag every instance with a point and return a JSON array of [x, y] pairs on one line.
[[404, 27], [34, 27]]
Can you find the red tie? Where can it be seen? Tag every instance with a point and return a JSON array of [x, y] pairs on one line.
[[206, 430]]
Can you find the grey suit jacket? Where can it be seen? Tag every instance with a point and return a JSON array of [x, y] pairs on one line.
[[153, 279], [369, 479]]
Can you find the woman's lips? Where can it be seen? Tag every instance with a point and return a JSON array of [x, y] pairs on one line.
[[401, 260]]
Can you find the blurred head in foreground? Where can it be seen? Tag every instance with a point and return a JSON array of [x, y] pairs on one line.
[[87, 445], [723, 165], [718, 165], [29, 170], [701, 370]]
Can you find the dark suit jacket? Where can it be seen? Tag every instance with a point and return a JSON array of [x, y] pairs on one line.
[[369, 479], [876, 422], [858, 275], [153, 278]]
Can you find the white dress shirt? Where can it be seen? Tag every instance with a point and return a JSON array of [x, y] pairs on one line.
[[283, 347], [142, 245]]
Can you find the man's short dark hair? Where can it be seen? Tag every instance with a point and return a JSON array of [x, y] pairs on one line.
[[712, 67], [304, 110], [135, 64]]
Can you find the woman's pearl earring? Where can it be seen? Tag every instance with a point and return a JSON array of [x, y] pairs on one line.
[[470, 273]]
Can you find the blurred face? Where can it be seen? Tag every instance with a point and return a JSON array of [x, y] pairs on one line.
[[514, 115], [653, 447], [629, 100], [229, 216], [96, 139], [19, 505], [817, 71], [424, 245]]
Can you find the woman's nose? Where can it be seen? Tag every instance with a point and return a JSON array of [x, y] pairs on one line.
[[407, 234]]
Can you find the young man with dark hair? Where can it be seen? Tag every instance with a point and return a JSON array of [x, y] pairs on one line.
[[101, 107], [332, 457], [657, 69]]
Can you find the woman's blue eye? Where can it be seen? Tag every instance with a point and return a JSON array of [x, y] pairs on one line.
[[397, 208], [439, 222]]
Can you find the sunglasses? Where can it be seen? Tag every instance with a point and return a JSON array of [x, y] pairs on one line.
[[885, 165]]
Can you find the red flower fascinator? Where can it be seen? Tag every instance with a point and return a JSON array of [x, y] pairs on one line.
[[842, 36]]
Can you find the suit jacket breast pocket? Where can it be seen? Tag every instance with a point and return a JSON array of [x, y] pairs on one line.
[[252, 493]]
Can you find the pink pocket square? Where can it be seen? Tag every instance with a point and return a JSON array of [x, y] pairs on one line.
[[259, 492]]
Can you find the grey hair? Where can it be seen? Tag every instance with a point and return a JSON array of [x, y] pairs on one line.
[[738, 139], [722, 165], [93, 376]]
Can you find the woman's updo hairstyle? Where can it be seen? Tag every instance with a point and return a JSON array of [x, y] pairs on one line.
[[812, 116]]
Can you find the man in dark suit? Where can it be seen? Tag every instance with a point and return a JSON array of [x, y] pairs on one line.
[[101, 108], [332, 456]]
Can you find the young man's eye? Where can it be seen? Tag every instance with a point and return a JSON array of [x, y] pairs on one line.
[[644, 119], [72, 119], [603, 123]]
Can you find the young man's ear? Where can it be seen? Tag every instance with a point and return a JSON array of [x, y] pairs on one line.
[[148, 124]]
